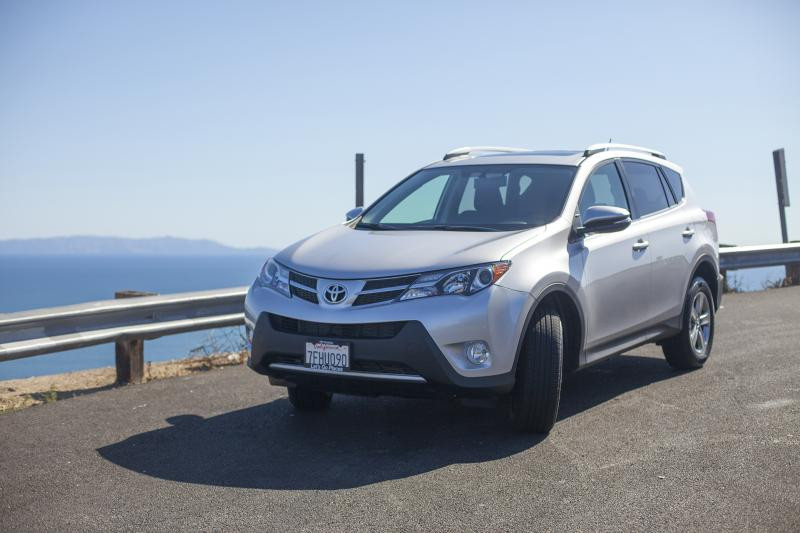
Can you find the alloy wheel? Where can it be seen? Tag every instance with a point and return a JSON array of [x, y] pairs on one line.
[[700, 324]]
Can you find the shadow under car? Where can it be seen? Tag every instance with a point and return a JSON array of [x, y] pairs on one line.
[[357, 441]]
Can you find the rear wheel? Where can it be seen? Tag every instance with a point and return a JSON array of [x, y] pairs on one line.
[[537, 392], [691, 347], [305, 399]]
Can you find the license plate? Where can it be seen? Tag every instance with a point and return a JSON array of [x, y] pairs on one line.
[[327, 355]]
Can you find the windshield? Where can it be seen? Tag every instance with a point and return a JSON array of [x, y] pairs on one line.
[[474, 198]]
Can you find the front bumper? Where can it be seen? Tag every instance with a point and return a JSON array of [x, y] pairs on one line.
[[421, 356]]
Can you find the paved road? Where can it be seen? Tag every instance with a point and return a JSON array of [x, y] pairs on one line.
[[637, 447]]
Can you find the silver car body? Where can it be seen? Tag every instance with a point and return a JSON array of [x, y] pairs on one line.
[[628, 287]]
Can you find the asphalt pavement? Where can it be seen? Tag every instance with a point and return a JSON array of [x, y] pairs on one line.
[[638, 446]]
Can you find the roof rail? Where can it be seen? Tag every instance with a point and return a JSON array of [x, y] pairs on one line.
[[469, 150], [602, 147]]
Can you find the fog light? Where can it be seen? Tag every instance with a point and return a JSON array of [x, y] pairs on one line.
[[477, 352]]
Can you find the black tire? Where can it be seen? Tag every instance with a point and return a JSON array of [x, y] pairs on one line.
[[537, 392], [305, 399], [682, 351]]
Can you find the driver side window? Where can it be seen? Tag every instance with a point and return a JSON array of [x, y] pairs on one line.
[[604, 187]]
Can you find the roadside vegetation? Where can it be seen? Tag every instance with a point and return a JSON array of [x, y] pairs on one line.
[[221, 348]]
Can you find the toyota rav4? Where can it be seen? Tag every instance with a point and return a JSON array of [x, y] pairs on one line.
[[493, 272]]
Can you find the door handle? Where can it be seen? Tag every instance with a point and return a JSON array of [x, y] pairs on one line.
[[640, 245], [688, 232]]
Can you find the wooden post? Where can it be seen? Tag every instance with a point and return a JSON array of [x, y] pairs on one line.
[[129, 354], [793, 274]]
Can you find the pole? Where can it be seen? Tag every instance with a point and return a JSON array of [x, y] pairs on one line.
[[779, 160], [359, 180], [782, 184]]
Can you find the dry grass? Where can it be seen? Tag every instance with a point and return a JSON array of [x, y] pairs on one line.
[[18, 394]]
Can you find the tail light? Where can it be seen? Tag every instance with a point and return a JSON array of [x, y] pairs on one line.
[[710, 216]]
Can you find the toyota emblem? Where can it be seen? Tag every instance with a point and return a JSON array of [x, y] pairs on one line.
[[335, 294]]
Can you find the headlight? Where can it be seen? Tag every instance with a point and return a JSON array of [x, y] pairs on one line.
[[275, 277], [465, 281]]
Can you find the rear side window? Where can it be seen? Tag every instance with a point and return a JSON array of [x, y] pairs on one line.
[[646, 189], [604, 187], [670, 198], [675, 182]]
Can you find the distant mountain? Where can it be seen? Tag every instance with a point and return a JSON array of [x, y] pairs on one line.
[[86, 245]]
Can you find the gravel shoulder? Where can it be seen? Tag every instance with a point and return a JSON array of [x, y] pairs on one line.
[[16, 394]]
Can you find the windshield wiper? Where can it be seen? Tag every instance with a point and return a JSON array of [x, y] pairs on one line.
[[422, 227], [374, 225], [455, 227]]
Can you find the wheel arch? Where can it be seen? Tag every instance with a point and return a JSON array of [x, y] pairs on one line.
[[572, 318], [706, 268]]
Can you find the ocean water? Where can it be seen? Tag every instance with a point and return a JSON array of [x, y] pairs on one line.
[[755, 279], [33, 282]]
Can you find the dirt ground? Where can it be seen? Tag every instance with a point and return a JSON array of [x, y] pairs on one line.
[[18, 394]]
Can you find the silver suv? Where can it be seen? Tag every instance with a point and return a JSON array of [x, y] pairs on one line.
[[493, 272]]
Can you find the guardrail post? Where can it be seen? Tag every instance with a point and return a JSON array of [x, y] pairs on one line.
[[129, 354], [793, 274]]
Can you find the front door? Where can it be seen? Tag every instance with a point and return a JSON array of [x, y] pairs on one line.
[[615, 267]]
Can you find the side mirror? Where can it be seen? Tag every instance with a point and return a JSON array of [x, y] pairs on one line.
[[604, 219], [353, 213]]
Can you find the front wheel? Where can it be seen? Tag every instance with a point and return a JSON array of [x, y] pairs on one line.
[[690, 348], [537, 392]]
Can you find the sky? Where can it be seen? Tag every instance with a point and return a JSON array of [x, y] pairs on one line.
[[239, 121]]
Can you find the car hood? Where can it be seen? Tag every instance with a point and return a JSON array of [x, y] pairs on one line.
[[342, 252]]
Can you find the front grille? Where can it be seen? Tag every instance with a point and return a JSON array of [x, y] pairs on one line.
[[381, 367], [309, 296], [302, 279], [287, 359], [375, 297], [305, 288], [375, 330], [383, 283]]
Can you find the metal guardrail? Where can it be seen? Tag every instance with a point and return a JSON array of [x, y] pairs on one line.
[[737, 257], [129, 321], [126, 321]]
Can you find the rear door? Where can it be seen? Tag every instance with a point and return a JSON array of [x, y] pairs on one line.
[[660, 213]]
